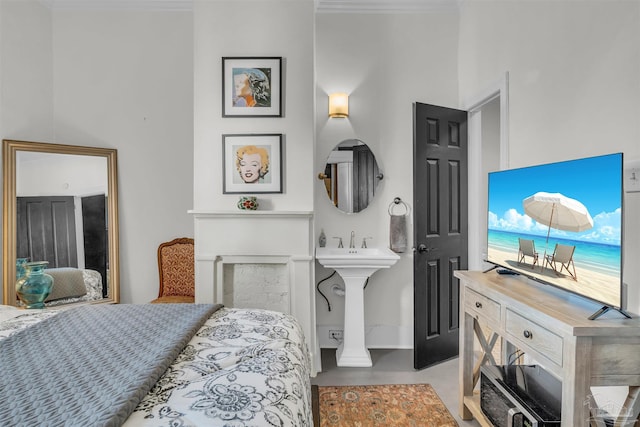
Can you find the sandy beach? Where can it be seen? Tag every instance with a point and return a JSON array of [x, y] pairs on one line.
[[599, 286]]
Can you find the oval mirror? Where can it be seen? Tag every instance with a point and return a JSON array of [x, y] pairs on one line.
[[61, 206], [351, 176]]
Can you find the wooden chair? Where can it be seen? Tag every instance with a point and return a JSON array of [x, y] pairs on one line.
[[562, 254], [177, 271], [527, 248]]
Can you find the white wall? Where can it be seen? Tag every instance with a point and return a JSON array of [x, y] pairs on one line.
[[281, 28], [573, 85], [121, 79], [26, 51], [124, 79], [386, 63]]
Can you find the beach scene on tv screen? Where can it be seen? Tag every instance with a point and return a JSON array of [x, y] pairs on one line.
[[560, 223]]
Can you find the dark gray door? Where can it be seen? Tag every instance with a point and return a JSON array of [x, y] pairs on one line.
[[440, 229], [365, 172], [46, 230], [94, 221]]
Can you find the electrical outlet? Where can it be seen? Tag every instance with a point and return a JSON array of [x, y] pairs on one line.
[[335, 334]]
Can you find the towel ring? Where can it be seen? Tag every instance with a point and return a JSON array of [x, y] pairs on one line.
[[398, 202]]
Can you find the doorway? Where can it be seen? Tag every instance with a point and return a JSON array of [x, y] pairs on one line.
[[488, 151]]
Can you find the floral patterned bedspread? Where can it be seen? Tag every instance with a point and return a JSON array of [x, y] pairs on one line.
[[244, 367]]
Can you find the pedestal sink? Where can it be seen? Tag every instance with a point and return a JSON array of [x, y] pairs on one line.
[[355, 265]]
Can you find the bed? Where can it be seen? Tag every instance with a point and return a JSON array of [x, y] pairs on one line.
[[167, 365]]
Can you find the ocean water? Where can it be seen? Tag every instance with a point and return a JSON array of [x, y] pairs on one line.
[[605, 259]]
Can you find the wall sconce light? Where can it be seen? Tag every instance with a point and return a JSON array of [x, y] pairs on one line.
[[339, 105]]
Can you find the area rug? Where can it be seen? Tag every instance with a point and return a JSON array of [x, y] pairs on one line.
[[406, 405]]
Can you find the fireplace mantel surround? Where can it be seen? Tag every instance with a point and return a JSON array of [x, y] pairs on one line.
[[259, 237]]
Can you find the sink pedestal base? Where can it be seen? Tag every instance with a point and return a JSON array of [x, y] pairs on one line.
[[355, 266], [352, 351], [356, 359]]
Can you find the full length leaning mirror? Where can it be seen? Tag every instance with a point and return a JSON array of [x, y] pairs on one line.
[[61, 206]]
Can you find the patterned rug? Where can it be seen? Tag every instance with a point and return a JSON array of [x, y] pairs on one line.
[[407, 405]]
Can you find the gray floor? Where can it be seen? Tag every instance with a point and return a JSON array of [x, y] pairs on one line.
[[396, 367]]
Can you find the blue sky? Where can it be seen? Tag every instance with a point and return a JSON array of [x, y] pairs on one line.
[[594, 181]]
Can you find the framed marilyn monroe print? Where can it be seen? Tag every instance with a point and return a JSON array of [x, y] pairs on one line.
[[252, 163]]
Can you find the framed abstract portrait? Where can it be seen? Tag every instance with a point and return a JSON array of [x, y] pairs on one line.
[[252, 163], [252, 87]]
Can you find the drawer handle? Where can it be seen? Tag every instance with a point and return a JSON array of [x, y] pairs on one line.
[[527, 334], [478, 304]]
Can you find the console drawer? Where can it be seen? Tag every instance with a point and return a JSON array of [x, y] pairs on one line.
[[485, 307], [535, 336]]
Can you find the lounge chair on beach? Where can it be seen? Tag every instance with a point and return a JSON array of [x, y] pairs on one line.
[[527, 248], [562, 254]]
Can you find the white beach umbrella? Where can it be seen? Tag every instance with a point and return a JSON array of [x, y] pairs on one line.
[[558, 211]]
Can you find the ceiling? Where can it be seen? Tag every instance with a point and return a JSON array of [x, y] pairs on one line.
[[322, 6]]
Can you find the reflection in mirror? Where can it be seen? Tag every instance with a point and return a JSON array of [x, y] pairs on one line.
[[60, 206], [351, 176]]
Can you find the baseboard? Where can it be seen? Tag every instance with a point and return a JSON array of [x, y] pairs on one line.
[[380, 336]]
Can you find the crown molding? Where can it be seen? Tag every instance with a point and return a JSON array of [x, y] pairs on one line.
[[164, 5], [321, 6], [386, 6]]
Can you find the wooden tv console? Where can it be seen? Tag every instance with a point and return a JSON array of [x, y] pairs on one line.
[[552, 327]]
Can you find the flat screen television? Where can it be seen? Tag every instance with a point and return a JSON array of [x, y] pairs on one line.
[[561, 224]]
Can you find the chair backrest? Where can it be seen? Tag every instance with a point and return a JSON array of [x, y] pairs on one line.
[[563, 253], [527, 247], [176, 267]]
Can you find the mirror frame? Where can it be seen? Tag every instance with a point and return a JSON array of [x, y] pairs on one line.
[[9, 221]]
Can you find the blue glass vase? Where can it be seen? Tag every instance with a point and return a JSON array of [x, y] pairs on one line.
[[35, 286]]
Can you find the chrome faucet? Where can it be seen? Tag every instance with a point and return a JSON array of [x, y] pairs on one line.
[[352, 243]]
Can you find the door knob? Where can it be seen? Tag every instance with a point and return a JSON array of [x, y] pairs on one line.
[[422, 248]]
